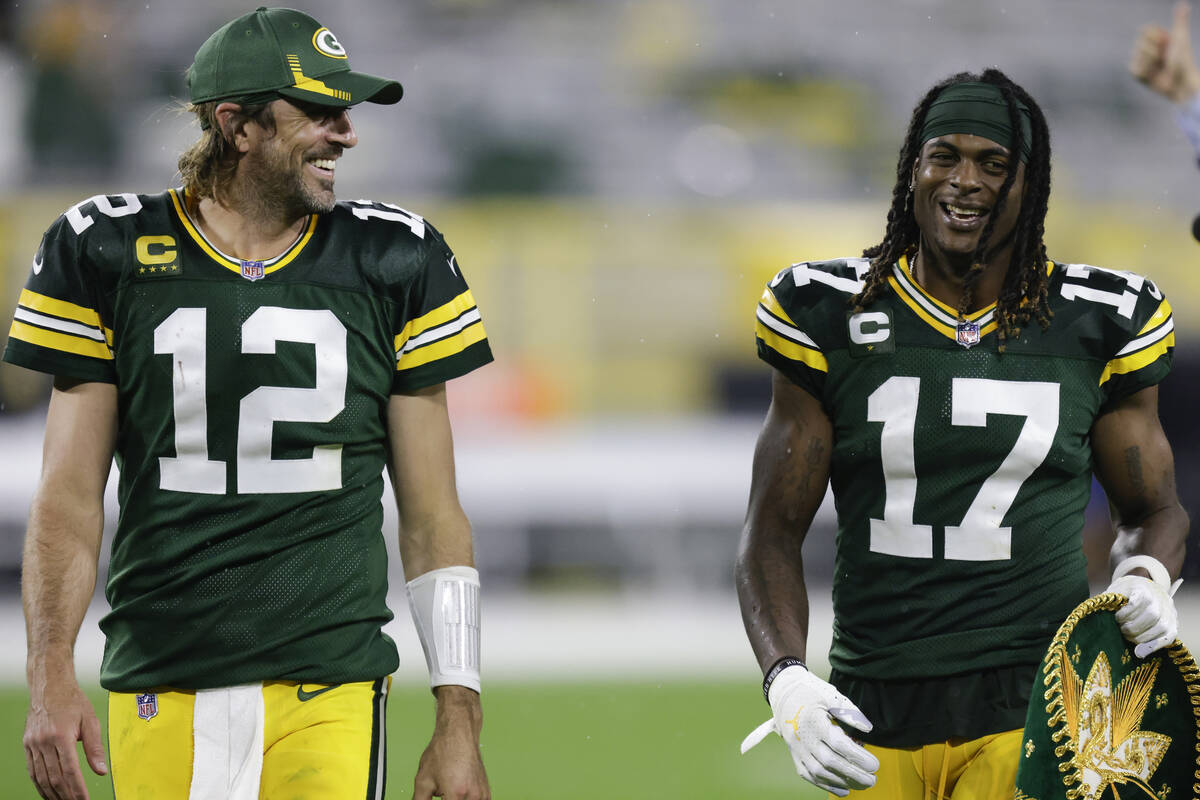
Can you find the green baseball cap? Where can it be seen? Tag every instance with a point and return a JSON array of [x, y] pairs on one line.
[[286, 52]]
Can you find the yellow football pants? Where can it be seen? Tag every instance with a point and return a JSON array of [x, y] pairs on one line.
[[272, 740], [972, 769]]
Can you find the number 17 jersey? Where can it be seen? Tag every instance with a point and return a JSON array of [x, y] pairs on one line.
[[960, 474], [252, 426]]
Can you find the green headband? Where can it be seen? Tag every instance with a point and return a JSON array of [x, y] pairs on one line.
[[979, 109]]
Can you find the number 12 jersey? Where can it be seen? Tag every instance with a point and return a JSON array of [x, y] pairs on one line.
[[252, 428]]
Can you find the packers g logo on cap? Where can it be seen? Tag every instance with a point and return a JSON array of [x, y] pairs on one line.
[[327, 44]]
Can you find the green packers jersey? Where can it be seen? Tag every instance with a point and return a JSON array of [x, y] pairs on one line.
[[959, 474], [252, 431]]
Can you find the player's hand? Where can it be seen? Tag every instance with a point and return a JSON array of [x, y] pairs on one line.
[[1163, 59], [59, 716], [1149, 618], [804, 708], [451, 766]]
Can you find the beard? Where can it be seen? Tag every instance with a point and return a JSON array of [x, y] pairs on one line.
[[280, 186]]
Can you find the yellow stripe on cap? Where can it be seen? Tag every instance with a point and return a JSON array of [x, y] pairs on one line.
[[312, 84], [63, 342], [443, 348], [791, 350], [438, 316]]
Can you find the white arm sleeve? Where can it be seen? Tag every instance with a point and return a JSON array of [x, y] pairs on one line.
[[445, 608]]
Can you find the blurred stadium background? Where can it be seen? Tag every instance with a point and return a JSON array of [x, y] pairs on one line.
[[618, 180]]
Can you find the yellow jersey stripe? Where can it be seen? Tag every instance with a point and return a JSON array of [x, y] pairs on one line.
[[783, 329], [232, 264], [1135, 361], [1160, 315], [61, 308], [791, 350], [903, 266], [296, 248], [949, 331], [443, 348], [771, 304], [64, 342], [438, 316]]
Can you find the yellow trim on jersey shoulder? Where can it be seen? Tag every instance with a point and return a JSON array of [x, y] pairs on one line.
[[791, 350], [770, 303], [449, 346], [234, 265], [64, 310], [1135, 361], [1160, 315], [63, 342], [431, 319]]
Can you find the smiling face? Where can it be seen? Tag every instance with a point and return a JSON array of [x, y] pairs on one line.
[[956, 185], [293, 167]]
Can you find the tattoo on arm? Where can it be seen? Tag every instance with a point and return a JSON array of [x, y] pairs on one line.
[[1133, 468]]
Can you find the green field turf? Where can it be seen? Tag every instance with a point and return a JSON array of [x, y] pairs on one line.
[[593, 741]]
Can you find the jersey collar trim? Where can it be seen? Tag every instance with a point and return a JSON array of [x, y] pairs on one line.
[[229, 262], [939, 316]]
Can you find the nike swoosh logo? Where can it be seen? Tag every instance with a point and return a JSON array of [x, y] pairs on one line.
[[37, 266], [306, 696], [452, 269]]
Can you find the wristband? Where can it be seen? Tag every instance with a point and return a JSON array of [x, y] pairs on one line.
[[445, 608], [1158, 573], [778, 667]]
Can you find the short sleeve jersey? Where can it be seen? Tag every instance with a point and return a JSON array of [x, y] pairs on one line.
[[960, 474], [252, 426]]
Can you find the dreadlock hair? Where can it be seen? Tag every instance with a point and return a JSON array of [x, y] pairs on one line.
[[212, 160], [1024, 294]]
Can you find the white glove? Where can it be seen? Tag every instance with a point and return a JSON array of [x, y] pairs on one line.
[[804, 708], [1149, 619]]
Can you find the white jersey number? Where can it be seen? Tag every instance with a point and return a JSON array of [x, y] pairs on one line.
[[80, 221], [183, 335], [980, 535], [365, 209]]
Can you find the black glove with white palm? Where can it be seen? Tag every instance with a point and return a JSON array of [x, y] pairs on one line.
[[804, 709]]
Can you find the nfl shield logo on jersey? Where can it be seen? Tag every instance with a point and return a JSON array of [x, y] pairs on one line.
[[147, 705], [968, 333], [252, 270]]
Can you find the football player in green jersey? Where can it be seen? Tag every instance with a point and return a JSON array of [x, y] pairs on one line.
[[957, 390], [255, 354]]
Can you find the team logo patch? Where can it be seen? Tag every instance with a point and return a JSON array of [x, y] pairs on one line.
[[967, 333], [327, 44], [253, 270], [147, 706]]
